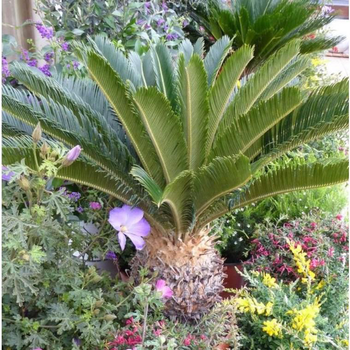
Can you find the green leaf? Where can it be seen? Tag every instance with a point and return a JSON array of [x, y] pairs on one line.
[[223, 88], [194, 108], [117, 94], [163, 69], [164, 129], [221, 176], [248, 128], [215, 57], [248, 94]]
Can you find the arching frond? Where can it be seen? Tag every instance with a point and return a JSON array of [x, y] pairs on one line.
[[194, 108]]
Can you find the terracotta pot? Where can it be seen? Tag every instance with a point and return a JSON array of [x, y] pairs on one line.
[[222, 346], [233, 279]]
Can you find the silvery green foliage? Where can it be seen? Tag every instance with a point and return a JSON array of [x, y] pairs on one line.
[[50, 299]]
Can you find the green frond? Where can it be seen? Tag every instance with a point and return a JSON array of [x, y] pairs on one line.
[[163, 69], [284, 180], [117, 60], [225, 84], [178, 195], [151, 187], [288, 74], [194, 108], [319, 44], [248, 94], [221, 176], [116, 92], [325, 111], [215, 57], [248, 128], [164, 130], [186, 48], [198, 47]]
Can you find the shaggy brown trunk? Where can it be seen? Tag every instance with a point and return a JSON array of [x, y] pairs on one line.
[[192, 269]]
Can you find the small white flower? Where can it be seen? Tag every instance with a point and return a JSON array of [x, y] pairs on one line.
[[248, 225], [240, 239], [239, 225], [235, 243]]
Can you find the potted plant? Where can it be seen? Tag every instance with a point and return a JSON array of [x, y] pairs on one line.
[[186, 148]]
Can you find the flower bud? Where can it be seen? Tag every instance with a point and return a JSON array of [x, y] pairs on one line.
[[44, 149], [26, 257], [24, 183], [96, 311], [110, 317], [99, 303], [71, 156], [36, 135]]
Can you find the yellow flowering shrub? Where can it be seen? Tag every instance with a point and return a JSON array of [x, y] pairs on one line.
[[272, 328]]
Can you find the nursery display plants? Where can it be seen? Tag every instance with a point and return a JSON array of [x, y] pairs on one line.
[[185, 148]]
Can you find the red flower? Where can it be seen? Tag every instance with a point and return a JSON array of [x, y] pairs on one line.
[[339, 217]]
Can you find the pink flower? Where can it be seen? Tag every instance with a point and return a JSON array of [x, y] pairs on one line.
[[164, 289], [129, 321], [129, 222], [72, 155], [330, 252], [313, 225], [339, 217], [95, 205], [157, 332]]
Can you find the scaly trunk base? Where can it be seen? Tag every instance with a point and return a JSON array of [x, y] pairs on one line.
[[193, 270]]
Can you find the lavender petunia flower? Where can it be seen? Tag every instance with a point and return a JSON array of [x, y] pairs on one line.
[[6, 173], [164, 289], [111, 255], [129, 222], [95, 205]]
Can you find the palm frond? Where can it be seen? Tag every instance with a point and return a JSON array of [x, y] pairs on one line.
[[164, 130], [163, 69], [215, 57], [117, 94], [248, 128], [284, 180], [186, 48], [248, 94], [194, 107], [221, 176], [223, 88]]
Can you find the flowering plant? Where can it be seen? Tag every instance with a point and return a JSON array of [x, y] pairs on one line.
[[273, 315]]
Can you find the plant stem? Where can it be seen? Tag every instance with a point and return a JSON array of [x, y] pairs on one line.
[[144, 327], [35, 157]]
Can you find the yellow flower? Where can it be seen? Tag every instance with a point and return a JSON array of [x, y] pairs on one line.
[[238, 84], [251, 305], [302, 264], [317, 61], [269, 281], [272, 328], [321, 284], [268, 308], [345, 342], [310, 337], [244, 305]]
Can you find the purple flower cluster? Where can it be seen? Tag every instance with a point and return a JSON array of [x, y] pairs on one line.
[[80, 209], [45, 32], [172, 36], [46, 69], [160, 22], [6, 173], [111, 255], [33, 62], [30, 61], [65, 46], [48, 57], [74, 196], [5, 69]]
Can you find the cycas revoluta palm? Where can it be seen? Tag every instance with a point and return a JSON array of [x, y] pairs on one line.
[[266, 24], [182, 141]]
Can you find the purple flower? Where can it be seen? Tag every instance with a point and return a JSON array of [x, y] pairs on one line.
[[326, 10], [77, 341], [140, 21], [111, 255], [46, 69], [164, 289], [147, 4], [185, 23], [95, 205], [33, 62], [171, 36], [164, 6], [75, 64], [72, 155], [48, 57], [75, 196], [45, 32], [129, 222], [6, 173], [5, 69], [65, 46], [80, 209], [24, 55], [147, 26], [160, 22]]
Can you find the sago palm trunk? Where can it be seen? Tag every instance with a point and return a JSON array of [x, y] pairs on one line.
[[192, 269]]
